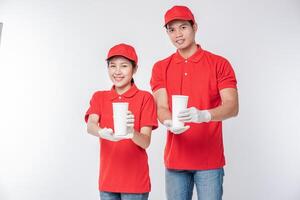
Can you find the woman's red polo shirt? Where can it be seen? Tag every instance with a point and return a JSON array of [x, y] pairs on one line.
[[123, 164]]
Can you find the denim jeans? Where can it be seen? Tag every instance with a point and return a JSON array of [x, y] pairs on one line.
[[180, 184], [123, 196]]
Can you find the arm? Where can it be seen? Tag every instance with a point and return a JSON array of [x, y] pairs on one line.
[[143, 138], [161, 100], [94, 129], [229, 107], [164, 114], [92, 125]]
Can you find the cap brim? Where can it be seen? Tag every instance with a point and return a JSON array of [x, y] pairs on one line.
[[179, 18]]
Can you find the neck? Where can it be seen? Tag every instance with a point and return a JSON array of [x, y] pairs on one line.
[[188, 51], [122, 90]]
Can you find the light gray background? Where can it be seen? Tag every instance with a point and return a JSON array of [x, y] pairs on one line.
[[1, 24], [52, 60]]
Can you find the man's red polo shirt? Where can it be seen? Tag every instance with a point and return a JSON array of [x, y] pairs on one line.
[[123, 164], [200, 77]]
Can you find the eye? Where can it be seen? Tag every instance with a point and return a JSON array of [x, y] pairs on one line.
[[170, 30], [112, 66], [124, 66], [183, 27]]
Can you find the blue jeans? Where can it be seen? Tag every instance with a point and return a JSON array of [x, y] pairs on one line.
[[180, 184], [123, 196]]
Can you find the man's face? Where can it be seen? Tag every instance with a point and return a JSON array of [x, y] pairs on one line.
[[181, 33]]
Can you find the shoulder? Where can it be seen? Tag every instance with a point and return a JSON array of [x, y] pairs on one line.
[[164, 61], [100, 94], [215, 58], [146, 95]]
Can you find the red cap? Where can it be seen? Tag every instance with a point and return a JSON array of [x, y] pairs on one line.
[[179, 12], [124, 50]]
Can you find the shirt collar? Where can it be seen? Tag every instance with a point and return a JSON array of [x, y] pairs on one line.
[[194, 58], [129, 93]]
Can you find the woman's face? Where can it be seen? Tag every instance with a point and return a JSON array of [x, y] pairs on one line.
[[120, 72]]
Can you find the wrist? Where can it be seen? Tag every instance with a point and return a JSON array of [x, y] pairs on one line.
[[167, 123], [133, 134], [100, 132], [207, 116]]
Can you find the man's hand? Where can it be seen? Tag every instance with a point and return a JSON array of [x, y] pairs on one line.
[[192, 114], [176, 130]]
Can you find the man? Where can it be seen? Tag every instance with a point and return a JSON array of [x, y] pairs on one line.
[[194, 154]]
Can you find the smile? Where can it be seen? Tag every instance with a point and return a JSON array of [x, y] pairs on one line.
[[181, 41], [118, 78]]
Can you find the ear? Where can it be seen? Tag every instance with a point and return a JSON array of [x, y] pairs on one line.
[[135, 69], [195, 27]]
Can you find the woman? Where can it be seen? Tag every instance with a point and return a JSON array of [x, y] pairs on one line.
[[124, 172]]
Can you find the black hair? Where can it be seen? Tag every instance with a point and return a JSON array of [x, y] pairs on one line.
[[191, 22]]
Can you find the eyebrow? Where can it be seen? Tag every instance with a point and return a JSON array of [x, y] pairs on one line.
[[183, 24], [112, 62]]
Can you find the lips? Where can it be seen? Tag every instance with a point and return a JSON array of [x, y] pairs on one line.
[[181, 41], [118, 79]]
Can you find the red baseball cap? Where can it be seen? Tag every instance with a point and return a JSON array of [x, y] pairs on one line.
[[179, 12], [124, 50]]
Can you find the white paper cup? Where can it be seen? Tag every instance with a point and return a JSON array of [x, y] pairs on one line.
[[119, 116], [179, 103]]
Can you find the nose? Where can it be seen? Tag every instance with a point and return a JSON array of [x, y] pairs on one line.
[[178, 32], [117, 70]]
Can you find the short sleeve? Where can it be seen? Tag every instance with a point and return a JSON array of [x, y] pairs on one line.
[[225, 75], [95, 106], [157, 79], [149, 112]]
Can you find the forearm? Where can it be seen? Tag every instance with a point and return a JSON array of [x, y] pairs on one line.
[[228, 108], [161, 99], [141, 139], [163, 114], [224, 111], [93, 129]]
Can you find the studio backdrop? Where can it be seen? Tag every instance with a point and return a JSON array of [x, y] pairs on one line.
[[52, 59]]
